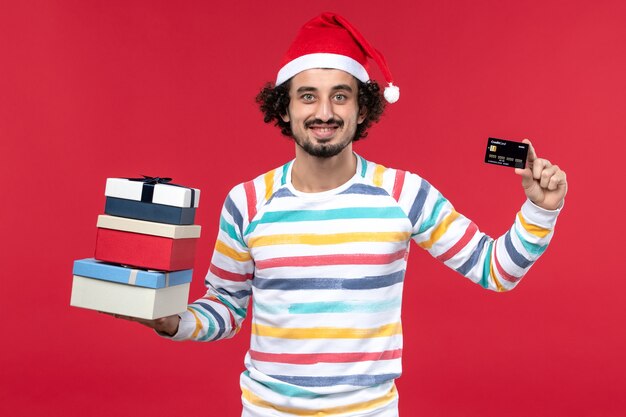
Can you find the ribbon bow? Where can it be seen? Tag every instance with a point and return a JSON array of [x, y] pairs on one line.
[[147, 191], [152, 180]]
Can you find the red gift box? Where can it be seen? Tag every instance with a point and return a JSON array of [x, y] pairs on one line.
[[146, 244], [145, 251]]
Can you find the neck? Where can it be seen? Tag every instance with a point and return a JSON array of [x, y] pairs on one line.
[[311, 174]]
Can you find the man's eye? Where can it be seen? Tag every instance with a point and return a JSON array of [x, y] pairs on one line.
[[308, 97], [340, 97]]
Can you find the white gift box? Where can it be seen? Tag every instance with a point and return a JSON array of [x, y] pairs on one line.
[[166, 194], [172, 231], [128, 300]]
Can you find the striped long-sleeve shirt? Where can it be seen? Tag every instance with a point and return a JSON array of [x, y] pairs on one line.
[[326, 272]]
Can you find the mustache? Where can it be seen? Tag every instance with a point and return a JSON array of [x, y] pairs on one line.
[[320, 122]]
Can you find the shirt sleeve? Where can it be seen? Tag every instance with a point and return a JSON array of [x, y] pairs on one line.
[[220, 313], [495, 264]]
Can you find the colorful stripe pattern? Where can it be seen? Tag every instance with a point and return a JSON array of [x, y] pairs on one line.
[[327, 274]]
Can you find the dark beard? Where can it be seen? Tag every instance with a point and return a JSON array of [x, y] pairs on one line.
[[323, 150]]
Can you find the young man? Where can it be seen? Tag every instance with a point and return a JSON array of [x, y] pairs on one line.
[[321, 243]]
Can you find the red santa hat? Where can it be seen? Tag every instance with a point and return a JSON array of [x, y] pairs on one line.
[[330, 41]]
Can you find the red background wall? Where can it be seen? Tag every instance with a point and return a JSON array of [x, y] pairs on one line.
[[95, 89]]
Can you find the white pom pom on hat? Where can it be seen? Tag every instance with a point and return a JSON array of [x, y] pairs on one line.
[[392, 93], [330, 41]]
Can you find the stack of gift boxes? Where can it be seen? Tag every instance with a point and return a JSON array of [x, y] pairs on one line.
[[145, 250]]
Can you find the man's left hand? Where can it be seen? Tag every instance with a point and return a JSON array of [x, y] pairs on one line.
[[544, 184]]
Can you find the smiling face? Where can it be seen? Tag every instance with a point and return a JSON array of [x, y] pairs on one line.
[[323, 111]]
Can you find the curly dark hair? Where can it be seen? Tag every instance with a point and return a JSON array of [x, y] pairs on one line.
[[274, 101]]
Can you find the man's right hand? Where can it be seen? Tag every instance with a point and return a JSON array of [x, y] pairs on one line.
[[167, 326]]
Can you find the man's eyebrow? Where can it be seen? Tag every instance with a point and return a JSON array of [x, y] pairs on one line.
[[304, 89], [307, 89], [345, 87]]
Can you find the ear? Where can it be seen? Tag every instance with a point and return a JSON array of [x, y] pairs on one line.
[[285, 117], [362, 115]]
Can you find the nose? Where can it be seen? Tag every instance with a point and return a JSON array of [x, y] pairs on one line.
[[324, 110]]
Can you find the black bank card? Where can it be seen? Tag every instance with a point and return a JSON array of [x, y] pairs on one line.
[[506, 153]]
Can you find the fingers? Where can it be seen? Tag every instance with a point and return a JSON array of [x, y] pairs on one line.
[[145, 322], [546, 175], [544, 184], [137, 319], [117, 316], [557, 179], [551, 177], [539, 166], [541, 169]]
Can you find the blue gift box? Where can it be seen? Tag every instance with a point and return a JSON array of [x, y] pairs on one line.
[[140, 210], [91, 268]]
